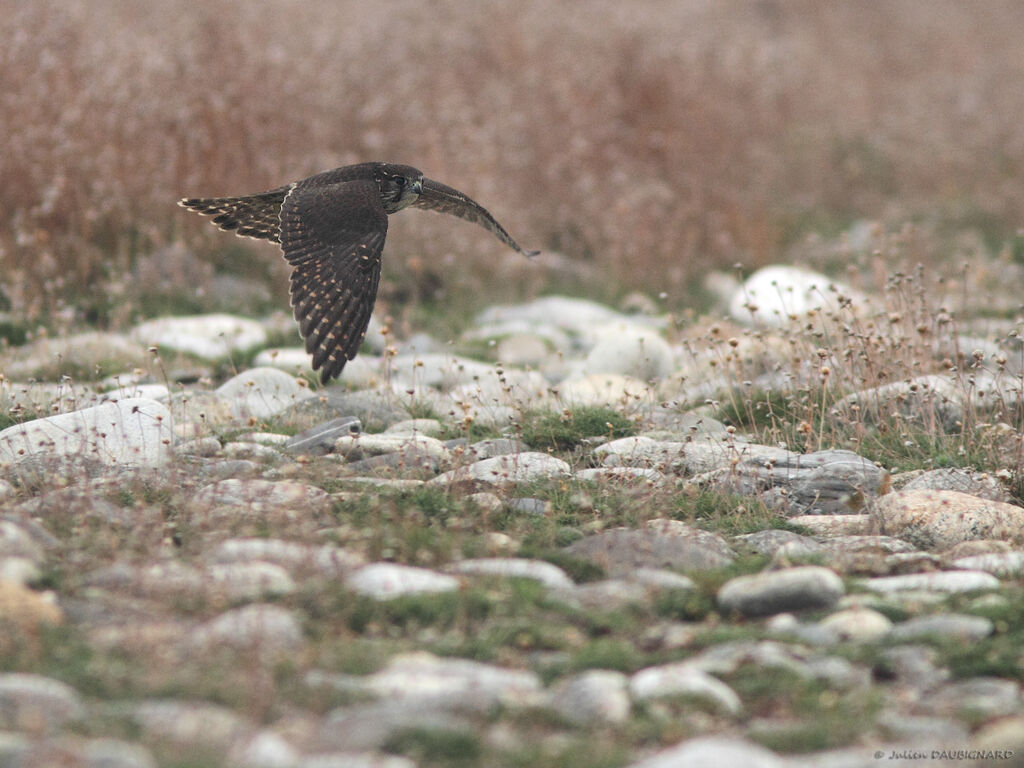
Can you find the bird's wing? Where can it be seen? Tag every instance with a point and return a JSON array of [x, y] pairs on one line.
[[436, 196], [257, 216], [333, 235]]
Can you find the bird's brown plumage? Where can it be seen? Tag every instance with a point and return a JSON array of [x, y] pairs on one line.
[[331, 228]]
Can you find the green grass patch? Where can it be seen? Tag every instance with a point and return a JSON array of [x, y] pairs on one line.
[[567, 430]]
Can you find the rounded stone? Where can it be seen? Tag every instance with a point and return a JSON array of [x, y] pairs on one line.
[[858, 624], [633, 351], [262, 392], [384, 581], [941, 519], [791, 589], [595, 697]]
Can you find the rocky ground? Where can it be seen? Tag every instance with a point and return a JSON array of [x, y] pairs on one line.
[[579, 537]]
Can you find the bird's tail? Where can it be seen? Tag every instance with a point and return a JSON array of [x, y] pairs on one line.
[[257, 216]]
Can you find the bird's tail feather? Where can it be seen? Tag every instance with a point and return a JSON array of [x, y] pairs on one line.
[[257, 216]]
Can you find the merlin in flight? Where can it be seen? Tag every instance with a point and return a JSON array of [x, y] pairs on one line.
[[331, 229]]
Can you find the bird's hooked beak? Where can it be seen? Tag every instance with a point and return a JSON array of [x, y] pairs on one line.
[[417, 187]]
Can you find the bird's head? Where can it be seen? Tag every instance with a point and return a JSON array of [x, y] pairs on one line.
[[400, 186]]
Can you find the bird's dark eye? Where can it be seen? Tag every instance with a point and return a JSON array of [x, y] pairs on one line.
[[400, 181]]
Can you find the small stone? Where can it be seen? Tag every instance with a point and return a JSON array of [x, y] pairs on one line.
[[486, 501], [717, 751], [608, 594], [498, 543], [260, 393], [978, 697], [530, 506], [261, 494], [595, 697], [859, 625], [412, 448], [249, 581], [384, 581], [252, 452], [939, 581], [265, 749], [621, 476], [790, 589], [509, 469], [769, 541], [522, 349], [977, 484], [833, 525], [452, 683], [661, 578], [659, 544], [203, 447], [778, 294], [268, 629], [944, 626], [941, 519], [114, 753], [210, 337], [191, 724], [36, 704], [609, 390], [683, 679], [425, 427], [636, 351], [1005, 565], [547, 574]]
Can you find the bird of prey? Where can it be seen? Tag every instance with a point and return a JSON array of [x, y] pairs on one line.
[[331, 229]]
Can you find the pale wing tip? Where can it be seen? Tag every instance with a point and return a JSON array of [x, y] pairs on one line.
[[530, 254]]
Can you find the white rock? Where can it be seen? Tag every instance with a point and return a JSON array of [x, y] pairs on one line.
[[512, 468], [134, 432], [261, 392], [114, 753], [149, 391], [516, 567], [423, 427], [421, 675], [81, 350], [935, 581], [597, 696], [263, 494], [384, 581], [194, 724], [578, 317], [603, 389], [207, 336], [34, 702], [264, 750], [268, 628], [248, 581], [295, 360], [681, 678], [631, 351], [1002, 564], [621, 475], [859, 624], [781, 292], [375, 445], [716, 751]]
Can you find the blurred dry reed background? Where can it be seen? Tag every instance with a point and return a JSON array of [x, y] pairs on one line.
[[645, 142]]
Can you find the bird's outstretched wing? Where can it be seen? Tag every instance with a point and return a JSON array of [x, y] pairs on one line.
[[436, 196], [257, 216], [333, 235]]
